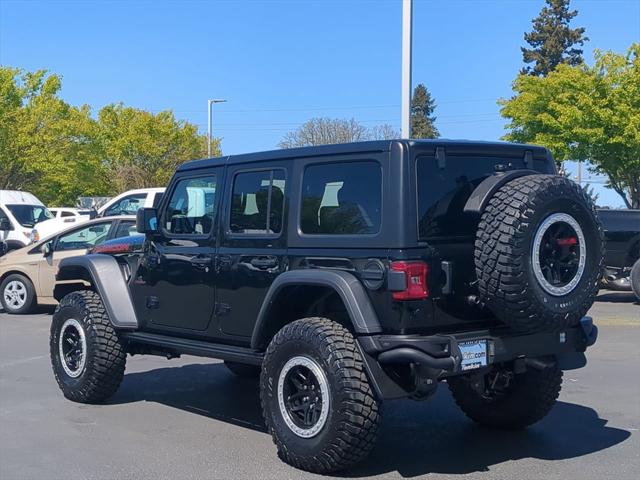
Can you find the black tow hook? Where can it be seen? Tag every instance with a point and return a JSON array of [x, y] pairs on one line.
[[411, 355]]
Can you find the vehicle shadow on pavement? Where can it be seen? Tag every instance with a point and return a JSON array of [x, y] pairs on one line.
[[436, 437], [205, 389], [611, 296], [416, 438]]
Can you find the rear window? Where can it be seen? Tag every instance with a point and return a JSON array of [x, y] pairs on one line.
[[443, 192]]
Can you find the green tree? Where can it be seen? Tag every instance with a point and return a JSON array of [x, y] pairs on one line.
[[586, 114], [141, 149], [552, 42], [46, 145], [422, 109]]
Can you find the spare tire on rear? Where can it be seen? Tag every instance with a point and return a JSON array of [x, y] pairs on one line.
[[539, 253]]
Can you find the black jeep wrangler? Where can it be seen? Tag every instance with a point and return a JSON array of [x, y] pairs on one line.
[[344, 275]]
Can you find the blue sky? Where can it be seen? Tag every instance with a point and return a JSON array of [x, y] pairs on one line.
[[279, 63]]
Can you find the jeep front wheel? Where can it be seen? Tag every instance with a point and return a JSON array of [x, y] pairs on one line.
[[317, 402], [87, 356]]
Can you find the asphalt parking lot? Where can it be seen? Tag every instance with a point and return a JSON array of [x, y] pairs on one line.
[[190, 418]]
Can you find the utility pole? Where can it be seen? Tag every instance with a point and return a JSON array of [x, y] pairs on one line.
[[407, 12], [209, 105]]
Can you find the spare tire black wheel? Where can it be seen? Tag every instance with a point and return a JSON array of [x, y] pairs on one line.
[[539, 253]]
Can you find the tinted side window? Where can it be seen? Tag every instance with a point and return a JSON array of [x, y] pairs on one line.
[[257, 202], [342, 199], [84, 238], [157, 199], [128, 205], [191, 209], [66, 214]]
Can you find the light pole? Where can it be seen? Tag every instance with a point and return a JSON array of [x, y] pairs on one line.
[[407, 11], [209, 105]]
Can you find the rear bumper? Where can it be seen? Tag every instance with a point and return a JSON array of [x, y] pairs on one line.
[[440, 355]]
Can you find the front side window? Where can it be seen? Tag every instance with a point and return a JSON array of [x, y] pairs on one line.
[[342, 199], [84, 238], [128, 205], [257, 202], [30, 215], [192, 207]]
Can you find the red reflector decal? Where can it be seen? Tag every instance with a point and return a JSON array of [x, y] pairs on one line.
[[567, 242]]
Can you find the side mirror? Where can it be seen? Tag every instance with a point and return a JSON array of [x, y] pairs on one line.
[[5, 224], [47, 250], [147, 221]]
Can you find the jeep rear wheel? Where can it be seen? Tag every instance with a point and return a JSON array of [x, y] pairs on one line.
[[87, 357], [316, 399], [539, 253], [503, 399]]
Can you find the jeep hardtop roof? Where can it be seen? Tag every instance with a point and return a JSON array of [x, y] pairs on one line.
[[425, 147]]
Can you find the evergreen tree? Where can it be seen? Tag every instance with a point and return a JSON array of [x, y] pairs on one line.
[[552, 41], [422, 108]]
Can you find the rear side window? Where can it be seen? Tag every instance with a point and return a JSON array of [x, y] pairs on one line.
[[443, 192], [342, 199], [257, 202]]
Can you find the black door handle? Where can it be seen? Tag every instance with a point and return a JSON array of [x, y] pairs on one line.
[[265, 262]]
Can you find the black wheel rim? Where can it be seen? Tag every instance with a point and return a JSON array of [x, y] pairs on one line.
[[560, 254], [303, 398]]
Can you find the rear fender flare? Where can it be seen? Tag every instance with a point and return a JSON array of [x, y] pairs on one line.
[[105, 275], [350, 290]]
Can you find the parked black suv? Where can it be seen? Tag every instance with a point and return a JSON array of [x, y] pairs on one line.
[[343, 275]]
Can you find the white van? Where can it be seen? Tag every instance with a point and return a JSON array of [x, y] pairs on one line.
[[20, 212]]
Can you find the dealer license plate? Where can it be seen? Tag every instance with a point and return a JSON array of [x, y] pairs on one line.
[[474, 354]]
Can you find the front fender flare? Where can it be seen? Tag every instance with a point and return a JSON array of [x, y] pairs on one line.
[[105, 275], [356, 301]]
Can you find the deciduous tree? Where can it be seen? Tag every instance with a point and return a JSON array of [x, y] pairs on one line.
[[586, 114], [142, 149]]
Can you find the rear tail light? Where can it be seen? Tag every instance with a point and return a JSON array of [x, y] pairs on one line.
[[415, 274]]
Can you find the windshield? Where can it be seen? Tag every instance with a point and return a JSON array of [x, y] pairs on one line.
[[29, 215]]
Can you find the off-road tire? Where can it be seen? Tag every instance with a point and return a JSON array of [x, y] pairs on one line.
[[243, 370], [351, 427], [31, 299], [503, 253], [635, 279], [528, 399], [105, 354]]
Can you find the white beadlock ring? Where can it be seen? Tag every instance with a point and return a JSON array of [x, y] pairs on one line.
[[73, 323]]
